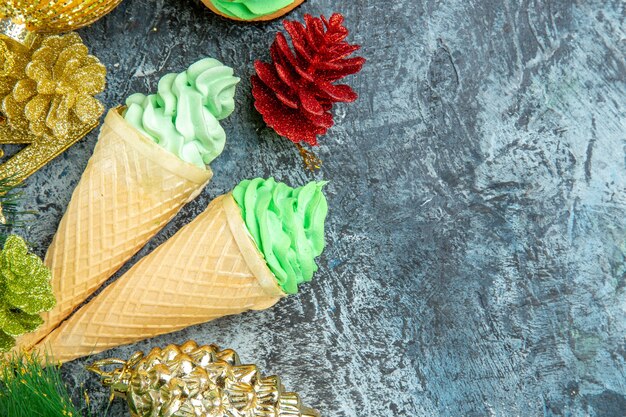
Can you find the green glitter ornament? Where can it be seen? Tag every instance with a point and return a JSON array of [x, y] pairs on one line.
[[25, 291]]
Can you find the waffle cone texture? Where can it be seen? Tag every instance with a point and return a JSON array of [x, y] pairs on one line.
[[211, 268], [129, 191], [275, 15]]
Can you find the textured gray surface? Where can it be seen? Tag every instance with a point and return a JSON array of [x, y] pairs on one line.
[[476, 239]]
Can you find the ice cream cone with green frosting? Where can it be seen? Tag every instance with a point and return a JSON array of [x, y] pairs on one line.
[[151, 158], [252, 10], [248, 249]]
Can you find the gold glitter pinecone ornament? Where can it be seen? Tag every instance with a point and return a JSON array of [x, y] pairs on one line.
[[47, 98], [193, 381], [55, 93], [47, 83]]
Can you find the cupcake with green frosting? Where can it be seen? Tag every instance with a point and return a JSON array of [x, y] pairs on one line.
[[252, 10], [183, 116]]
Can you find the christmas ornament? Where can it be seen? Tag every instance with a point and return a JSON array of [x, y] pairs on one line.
[[211, 268], [192, 381], [296, 91], [25, 291], [47, 99], [52, 16], [252, 10], [47, 83], [133, 186], [29, 389]]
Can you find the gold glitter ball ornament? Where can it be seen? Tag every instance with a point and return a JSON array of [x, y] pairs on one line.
[[47, 99], [197, 381], [52, 16]]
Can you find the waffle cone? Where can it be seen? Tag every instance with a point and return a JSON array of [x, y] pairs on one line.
[[275, 15], [131, 188], [209, 269]]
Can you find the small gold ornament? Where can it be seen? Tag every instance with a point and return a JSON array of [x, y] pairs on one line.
[[192, 381], [46, 99], [51, 16]]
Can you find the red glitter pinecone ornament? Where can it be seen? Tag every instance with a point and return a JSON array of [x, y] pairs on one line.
[[296, 92]]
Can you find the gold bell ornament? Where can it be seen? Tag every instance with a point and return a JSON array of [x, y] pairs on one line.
[[47, 80], [197, 381]]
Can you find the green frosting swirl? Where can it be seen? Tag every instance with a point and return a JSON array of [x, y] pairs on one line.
[[183, 116], [249, 9], [287, 225]]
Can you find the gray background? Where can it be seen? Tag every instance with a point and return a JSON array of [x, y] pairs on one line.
[[476, 238]]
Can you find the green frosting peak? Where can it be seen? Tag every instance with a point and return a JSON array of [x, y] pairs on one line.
[[250, 9], [183, 116], [25, 291], [287, 225]]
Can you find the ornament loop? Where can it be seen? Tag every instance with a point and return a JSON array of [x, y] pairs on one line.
[[119, 378], [311, 161]]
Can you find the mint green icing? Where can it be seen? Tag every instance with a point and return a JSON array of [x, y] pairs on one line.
[[287, 225], [183, 116], [250, 9]]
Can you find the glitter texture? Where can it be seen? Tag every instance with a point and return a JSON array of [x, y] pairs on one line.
[[190, 381], [7, 59], [55, 16], [296, 91], [17, 32], [47, 99], [25, 291]]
